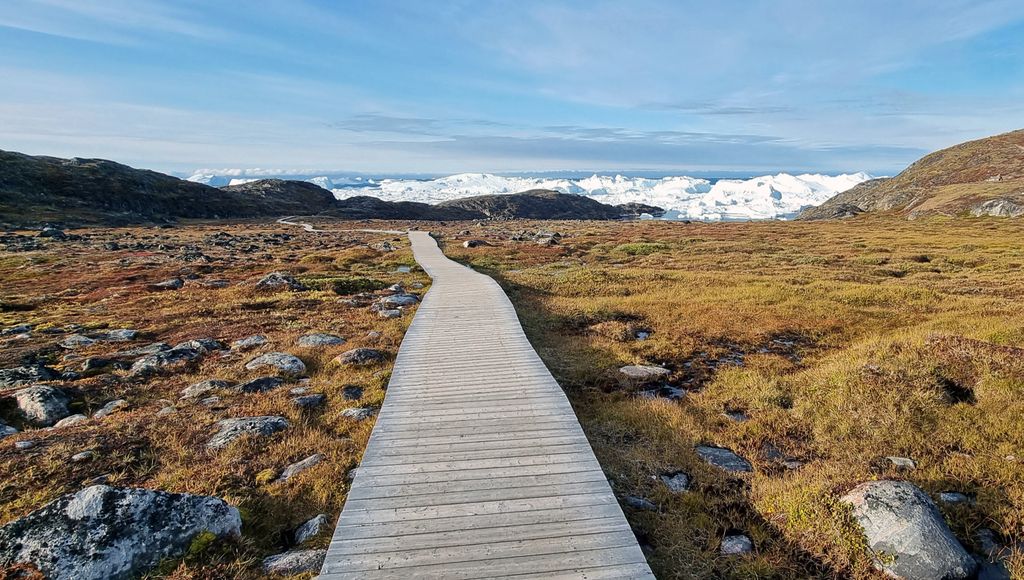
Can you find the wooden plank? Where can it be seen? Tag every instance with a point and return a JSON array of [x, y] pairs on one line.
[[477, 466]]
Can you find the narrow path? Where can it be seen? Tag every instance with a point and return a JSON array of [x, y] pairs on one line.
[[477, 466], [309, 227]]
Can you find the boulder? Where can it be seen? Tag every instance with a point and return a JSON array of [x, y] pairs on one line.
[[201, 388], [300, 466], [171, 284], [42, 405], [640, 503], [320, 339], [249, 342], [644, 373], [200, 345], [76, 341], [312, 528], [109, 408], [907, 532], [358, 413], [676, 482], [279, 282], [352, 392], [232, 429], [104, 532], [399, 300], [164, 360], [390, 313], [361, 357], [70, 421], [18, 376], [6, 430], [295, 562], [724, 459], [117, 335], [312, 401], [286, 364]]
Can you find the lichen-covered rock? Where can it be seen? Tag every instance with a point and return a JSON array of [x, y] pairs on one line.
[[399, 300], [249, 342], [19, 376], [164, 360], [644, 373], [295, 562], [311, 528], [676, 482], [260, 385], [361, 356], [6, 430], [103, 532], [201, 388], [286, 364], [320, 339], [300, 466], [723, 458], [231, 429], [279, 281], [907, 533], [76, 341], [171, 284], [736, 544], [111, 407], [117, 335], [358, 413], [42, 405], [70, 421]]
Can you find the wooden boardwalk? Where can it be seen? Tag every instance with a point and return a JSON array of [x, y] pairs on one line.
[[477, 466]]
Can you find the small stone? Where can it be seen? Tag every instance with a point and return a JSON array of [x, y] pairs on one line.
[[903, 463], [200, 345], [640, 503], [300, 466], [203, 387], [278, 282], [118, 335], [76, 341], [403, 269], [286, 364], [232, 429], [724, 459], [260, 385], [953, 497], [69, 421], [736, 544], [109, 408], [644, 373], [361, 356], [319, 339], [249, 342], [83, 456], [352, 393], [676, 482], [738, 416], [209, 401], [6, 430], [23, 445], [295, 562], [310, 401], [373, 335], [172, 284], [299, 391], [358, 413], [399, 300], [388, 314], [312, 528], [164, 411]]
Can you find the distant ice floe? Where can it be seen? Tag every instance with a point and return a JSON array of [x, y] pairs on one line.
[[780, 196]]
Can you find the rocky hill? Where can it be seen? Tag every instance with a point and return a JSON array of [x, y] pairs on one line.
[[983, 177], [541, 204], [37, 189], [277, 196]]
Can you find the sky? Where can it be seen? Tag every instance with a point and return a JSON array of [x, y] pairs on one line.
[[414, 86]]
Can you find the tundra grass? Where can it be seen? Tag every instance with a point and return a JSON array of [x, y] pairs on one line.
[[831, 344]]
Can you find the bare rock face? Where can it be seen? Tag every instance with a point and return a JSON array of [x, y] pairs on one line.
[[42, 405], [907, 533], [104, 532]]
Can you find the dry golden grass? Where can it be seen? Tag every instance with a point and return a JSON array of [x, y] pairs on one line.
[[82, 282], [843, 343]]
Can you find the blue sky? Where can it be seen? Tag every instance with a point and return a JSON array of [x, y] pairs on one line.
[[477, 85]]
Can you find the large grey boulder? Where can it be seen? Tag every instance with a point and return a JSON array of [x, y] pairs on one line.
[[42, 405], [285, 364], [907, 533], [103, 532], [19, 376], [723, 458], [231, 429]]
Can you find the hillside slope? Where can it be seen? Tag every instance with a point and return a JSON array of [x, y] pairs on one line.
[[276, 196], [982, 177], [540, 204]]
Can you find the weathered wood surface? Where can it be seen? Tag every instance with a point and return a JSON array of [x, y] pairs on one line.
[[477, 466]]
